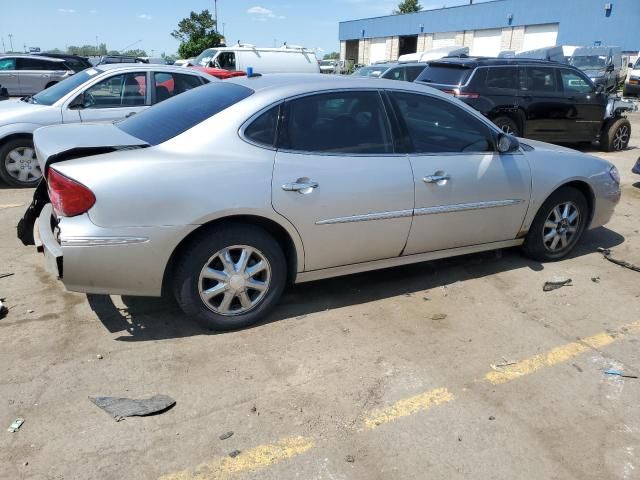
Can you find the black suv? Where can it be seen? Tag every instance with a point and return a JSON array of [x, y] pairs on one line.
[[536, 99]]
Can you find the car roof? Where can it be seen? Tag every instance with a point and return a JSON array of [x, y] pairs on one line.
[[136, 67], [282, 85], [28, 55], [472, 62]]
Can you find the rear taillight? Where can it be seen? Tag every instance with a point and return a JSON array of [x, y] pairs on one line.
[[457, 93], [68, 197]]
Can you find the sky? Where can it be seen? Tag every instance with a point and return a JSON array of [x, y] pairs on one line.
[[147, 24]]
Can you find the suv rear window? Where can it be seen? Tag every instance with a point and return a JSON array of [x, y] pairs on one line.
[[178, 114], [445, 74]]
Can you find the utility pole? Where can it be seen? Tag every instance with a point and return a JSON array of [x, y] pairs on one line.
[[97, 53], [215, 12], [3, 47], [11, 41]]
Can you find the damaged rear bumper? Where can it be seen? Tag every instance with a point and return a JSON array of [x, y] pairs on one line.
[[46, 240]]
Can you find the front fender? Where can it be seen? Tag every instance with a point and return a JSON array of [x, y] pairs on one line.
[[18, 129]]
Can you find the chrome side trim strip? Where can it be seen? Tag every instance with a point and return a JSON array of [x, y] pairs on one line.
[[367, 217], [461, 207], [100, 241], [406, 260]]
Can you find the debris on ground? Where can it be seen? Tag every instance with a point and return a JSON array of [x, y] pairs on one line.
[[15, 426], [234, 453], [119, 408], [99, 357], [224, 436], [30, 310], [505, 363], [607, 254], [595, 279], [439, 316], [556, 283], [3, 309], [492, 418], [619, 373], [4, 275], [350, 458], [254, 409]]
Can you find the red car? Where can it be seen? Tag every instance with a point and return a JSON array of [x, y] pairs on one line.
[[218, 72]]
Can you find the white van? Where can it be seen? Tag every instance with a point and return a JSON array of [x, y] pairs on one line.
[[286, 59], [434, 54]]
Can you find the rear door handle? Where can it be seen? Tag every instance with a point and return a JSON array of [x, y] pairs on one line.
[[436, 178], [300, 187]]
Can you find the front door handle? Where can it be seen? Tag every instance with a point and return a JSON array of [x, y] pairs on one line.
[[300, 186], [436, 178]]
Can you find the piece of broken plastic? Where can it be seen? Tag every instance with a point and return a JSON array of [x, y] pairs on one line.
[[119, 408], [15, 426]]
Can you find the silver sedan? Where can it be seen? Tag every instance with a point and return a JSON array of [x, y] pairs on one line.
[[101, 94], [223, 195]]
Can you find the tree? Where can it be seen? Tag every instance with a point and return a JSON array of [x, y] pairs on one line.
[[135, 53], [408, 6], [331, 56], [196, 33]]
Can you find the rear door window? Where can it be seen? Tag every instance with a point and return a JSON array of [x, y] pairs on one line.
[[352, 122], [437, 126], [396, 74], [263, 130], [445, 75], [38, 64], [411, 73], [502, 78], [168, 84], [7, 63], [541, 79]]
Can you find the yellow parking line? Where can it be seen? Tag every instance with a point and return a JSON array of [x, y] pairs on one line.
[[11, 205], [557, 355], [257, 458], [408, 406]]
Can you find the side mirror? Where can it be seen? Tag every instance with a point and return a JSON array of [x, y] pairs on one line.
[[507, 143], [630, 65], [77, 103], [610, 68]]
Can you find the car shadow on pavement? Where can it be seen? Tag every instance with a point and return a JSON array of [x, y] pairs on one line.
[[147, 319]]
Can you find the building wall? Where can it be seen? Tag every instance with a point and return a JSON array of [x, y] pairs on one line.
[[582, 22]]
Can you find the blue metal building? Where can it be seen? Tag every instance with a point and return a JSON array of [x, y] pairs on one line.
[[490, 27]]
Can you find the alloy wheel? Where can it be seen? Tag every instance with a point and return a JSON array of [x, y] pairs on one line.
[[621, 138], [234, 280], [22, 164], [561, 226], [507, 129]]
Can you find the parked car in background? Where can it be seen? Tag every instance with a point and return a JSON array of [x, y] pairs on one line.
[[434, 54], [98, 94], [328, 66], [30, 74], [535, 99], [434, 179], [558, 53], [603, 65], [636, 167], [76, 62], [407, 72], [184, 62], [109, 59], [236, 59], [632, 85]]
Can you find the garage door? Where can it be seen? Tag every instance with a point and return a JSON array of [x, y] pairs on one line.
[[540, 36], [377, 50], [486, 43], [446, 39]]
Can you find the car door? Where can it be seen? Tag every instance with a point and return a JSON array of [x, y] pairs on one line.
[[545, 106], [34, 73], [9, 76], [115, 97], [337, 179], [465, 192], [588, 112]]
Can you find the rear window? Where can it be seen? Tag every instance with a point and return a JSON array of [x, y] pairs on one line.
[[178, 114], [445, 74]]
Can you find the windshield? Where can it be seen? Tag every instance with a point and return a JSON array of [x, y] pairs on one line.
[[52, 94], [370, 71], [327, 63], [637, 65], [182, 112], [205, 57], [589, 61], [445, 75]]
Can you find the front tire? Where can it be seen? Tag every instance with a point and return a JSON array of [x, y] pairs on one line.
[[507, 125], [558, 225], [230, 277], [616, 137], [19, 165]]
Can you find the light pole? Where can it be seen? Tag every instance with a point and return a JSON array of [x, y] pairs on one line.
[[215, 12], [11, 41]]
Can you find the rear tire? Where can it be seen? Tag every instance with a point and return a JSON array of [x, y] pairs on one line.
[[19, 166], [553, 233], [507, 125], [216, 285], [616, 137]]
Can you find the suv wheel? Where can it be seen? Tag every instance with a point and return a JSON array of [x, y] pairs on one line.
[[558, 225], [231, 277], [507, 125], [19, 165], [617, 136]]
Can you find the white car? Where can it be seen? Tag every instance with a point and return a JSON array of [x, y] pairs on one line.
[[100, 94]]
